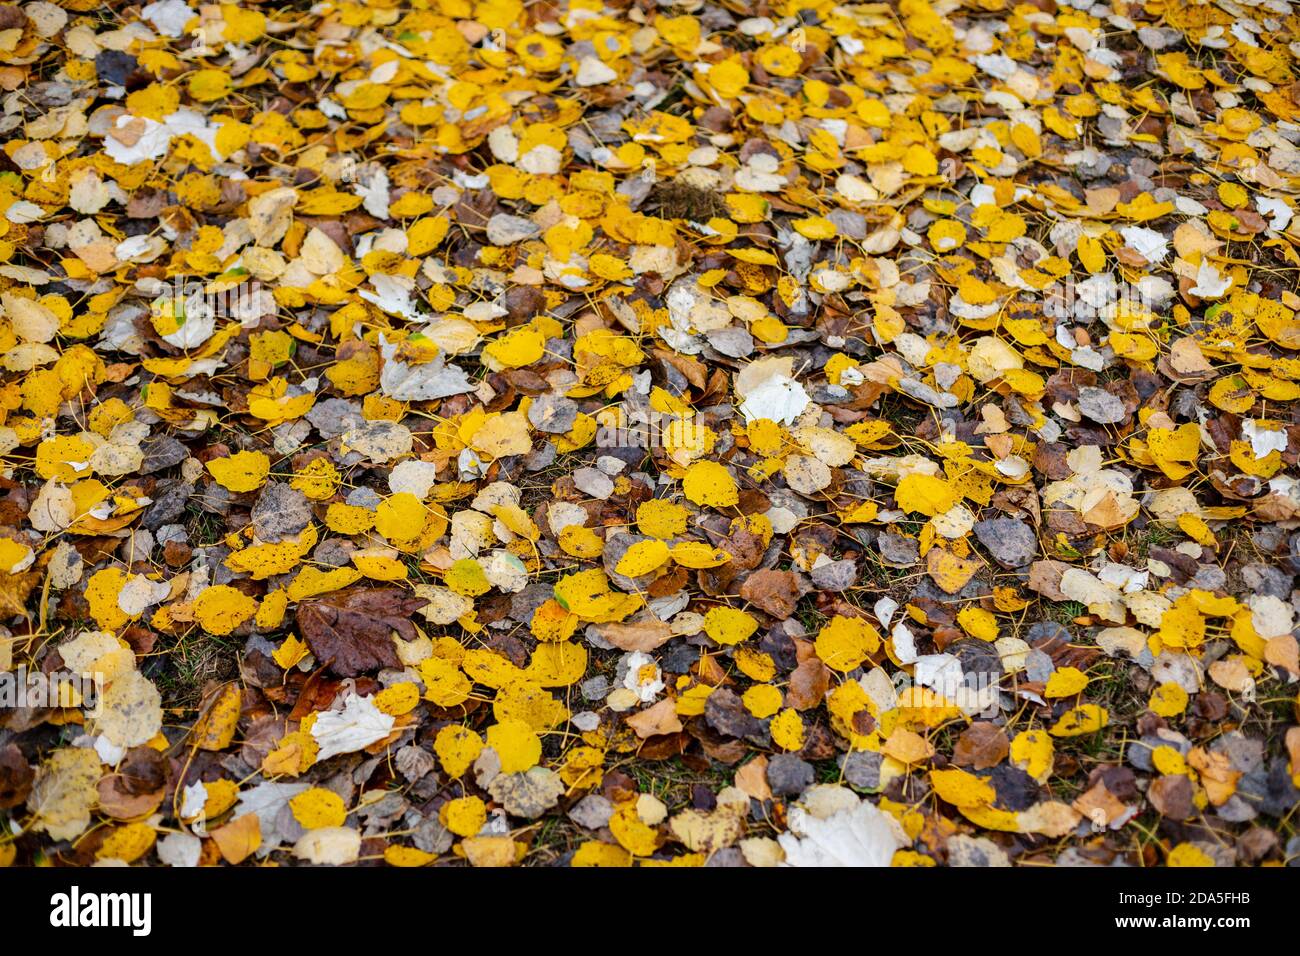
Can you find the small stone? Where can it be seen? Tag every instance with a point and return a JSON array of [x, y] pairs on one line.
[[504, 229], [592, 811], [1012, 543], [788, 775], [540, 457], [553, 414], [861, 769], [1236, 810], [280, 513], [728, 856], [1270, 791], [169, 499], [732, 342], [1256, 844], [1101, 406], [1267, 580], [593, 482], [595, 688], [726, 714], [898, 551], [334, 416], [162, 453], [975, 851], [836, 575], [1244, 754], [115, 66]]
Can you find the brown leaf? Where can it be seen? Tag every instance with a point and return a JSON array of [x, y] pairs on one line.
[[137, 788], [1045, 578], [1283, 652], [982, 745], [351, 631], [752, 779], [238, 838], [1172, 796], [1099, 805], [14, 591], [808, 684], [15, 777], [637, 636], [726, 714], [660, 719], [776, 592]]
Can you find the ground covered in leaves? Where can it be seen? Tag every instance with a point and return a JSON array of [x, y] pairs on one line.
[[605, 433]]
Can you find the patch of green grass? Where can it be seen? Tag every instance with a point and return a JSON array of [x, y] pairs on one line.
[[190, 663], [205, 528], [807, 614], [904, 416], [671, 780], [828, 771], [556, 836], [678, 200], [1064, 612], [1154, 535], [1112, 687]]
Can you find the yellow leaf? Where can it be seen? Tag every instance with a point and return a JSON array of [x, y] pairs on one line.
[[240, 472], [208, 86], [317, 808], [580, 541], [1168, 700], [216, 730], [845, 642], [1065, 682], [788, 730], [925, 494], [398, 699], [1032, 752], [457, 748], [1084, 719], [593, 853], [557, 664], [695, 554], [727, 625], [516, 744], [962, 789], [632, 833], [661, 519], [978, 622], [762, 700], [219, 609], [642, 558], [463, 816], [239, 838], [407, 856], [127, 843], [709, 484], [1187, 854]]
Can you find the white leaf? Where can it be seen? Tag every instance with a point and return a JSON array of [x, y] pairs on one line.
[[329, 846], [1209, 283], [779, 398], [862, 837], [1263, 439], [168, 16], [413, 476], [358, 725], [1148, 243], [270, 801], [180, 849]]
